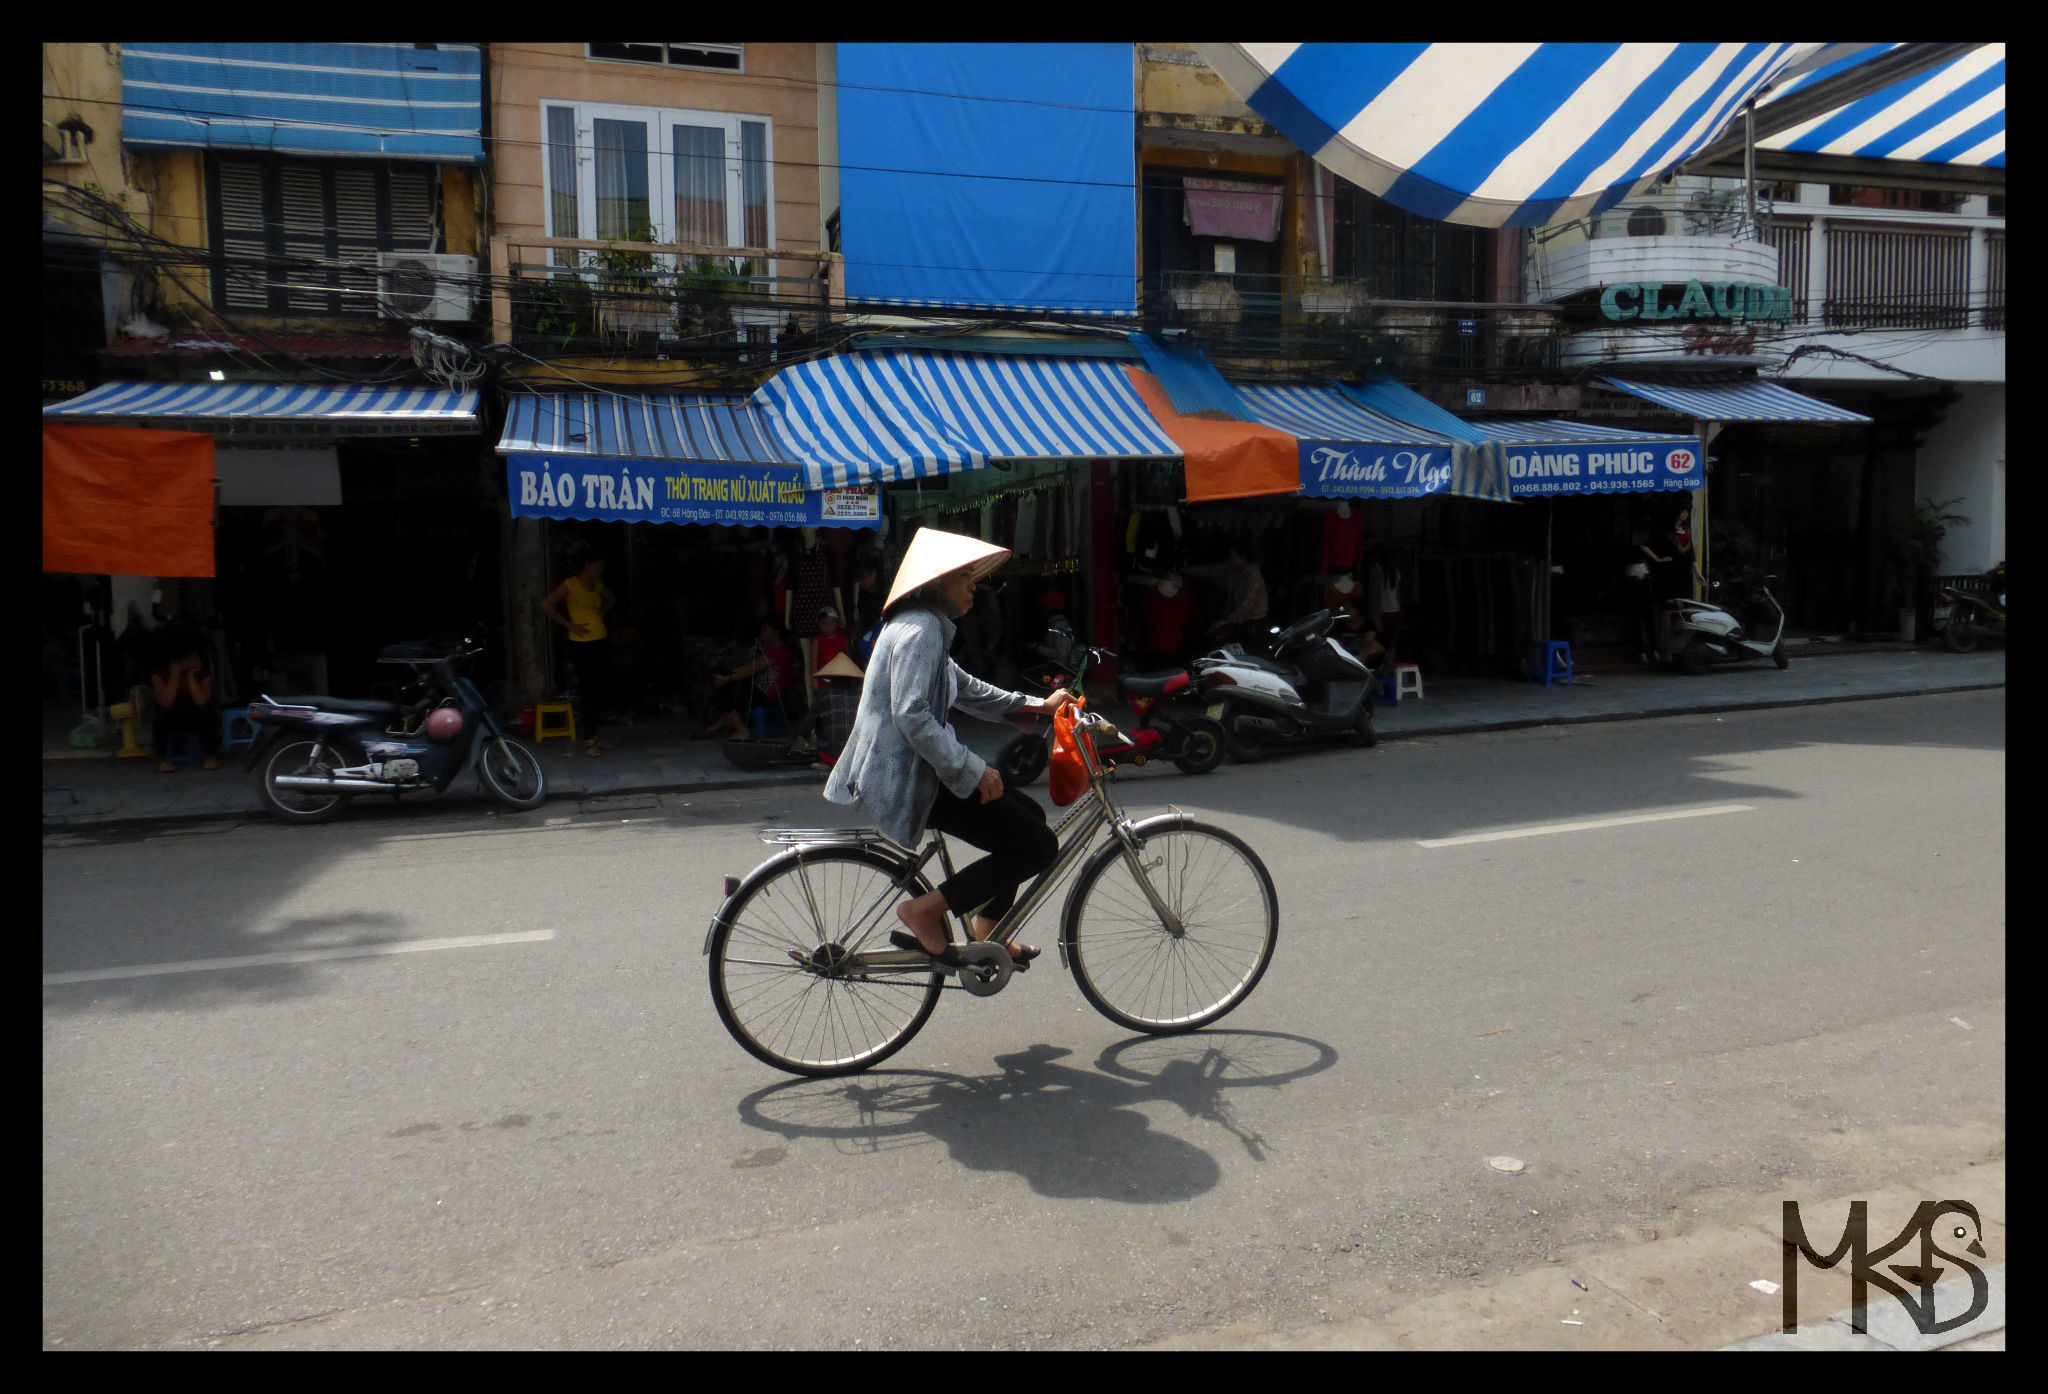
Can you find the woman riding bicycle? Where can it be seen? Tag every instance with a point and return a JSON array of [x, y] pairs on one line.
[[904, 766]]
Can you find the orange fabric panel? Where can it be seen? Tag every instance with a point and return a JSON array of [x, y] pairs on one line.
[[1226, 459], [127, 501]]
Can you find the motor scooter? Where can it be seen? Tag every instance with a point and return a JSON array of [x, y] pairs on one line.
[[1966, 618], [1312, 688], [318, 753], [1194, 743], [1697, 634]]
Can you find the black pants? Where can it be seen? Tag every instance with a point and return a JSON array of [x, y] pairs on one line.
[[592, 663], [1012, 830], [203, 722]]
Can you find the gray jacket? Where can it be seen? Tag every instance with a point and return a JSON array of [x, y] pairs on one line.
[[900, 751]]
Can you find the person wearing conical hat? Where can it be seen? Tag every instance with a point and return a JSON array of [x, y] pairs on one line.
[[833, 710], [905, 767]]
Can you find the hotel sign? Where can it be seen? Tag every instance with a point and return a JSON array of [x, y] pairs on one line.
[[1695, 300]]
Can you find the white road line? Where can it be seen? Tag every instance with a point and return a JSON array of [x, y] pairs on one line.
[[208, 965], [1587, 825]]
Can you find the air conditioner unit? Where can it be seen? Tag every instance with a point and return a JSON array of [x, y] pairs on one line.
[[416, 286]]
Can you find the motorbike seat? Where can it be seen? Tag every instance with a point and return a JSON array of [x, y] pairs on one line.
[[1153, 684], [355, 706]]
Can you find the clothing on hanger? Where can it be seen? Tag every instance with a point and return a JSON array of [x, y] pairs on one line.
[[812, 582]]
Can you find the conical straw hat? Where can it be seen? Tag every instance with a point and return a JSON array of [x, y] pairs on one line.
[[841, 666], [932, 554]]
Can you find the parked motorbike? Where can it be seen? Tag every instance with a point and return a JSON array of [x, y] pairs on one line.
[[1697, 634], [318, 753], [1193, 742], [1967, 618], [1310, 689]]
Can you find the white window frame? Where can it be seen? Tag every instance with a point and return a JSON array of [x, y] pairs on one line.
[[661, 159], [739, 51]]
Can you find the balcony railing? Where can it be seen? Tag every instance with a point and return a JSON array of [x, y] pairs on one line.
[[674, 299], [1248, 316]]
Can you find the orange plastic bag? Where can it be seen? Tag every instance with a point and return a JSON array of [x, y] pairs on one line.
[[1067, 773]]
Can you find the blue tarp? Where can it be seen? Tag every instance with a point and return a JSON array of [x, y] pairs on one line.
[[397, 101], [990, 176]]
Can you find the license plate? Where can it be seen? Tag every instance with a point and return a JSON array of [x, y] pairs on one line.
[[1216, 710], [1941, 613]]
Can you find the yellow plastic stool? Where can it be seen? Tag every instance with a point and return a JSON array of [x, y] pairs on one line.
[[566, 727]]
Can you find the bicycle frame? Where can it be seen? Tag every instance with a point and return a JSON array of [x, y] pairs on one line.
[[1076, 830]]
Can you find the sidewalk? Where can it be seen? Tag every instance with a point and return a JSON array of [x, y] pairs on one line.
[[1697, 1290], [86, 789]]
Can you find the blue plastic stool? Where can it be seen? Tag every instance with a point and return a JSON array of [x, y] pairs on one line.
[[766, 722], [185, 749], [1545, 656], [236, 729]]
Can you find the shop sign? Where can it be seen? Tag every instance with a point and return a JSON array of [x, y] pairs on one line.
[[597, 489], [1348, 470], [1548, 472], [1695, 300]]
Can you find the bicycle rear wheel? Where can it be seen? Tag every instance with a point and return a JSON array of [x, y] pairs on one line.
[[1139, 975], [781, 962]]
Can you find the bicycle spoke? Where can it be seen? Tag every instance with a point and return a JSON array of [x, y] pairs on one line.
[[780, 977], [1137, 972]]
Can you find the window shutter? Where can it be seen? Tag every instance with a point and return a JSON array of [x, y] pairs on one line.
[[412, 209], [243, 243], [304, 223], [356, 241]]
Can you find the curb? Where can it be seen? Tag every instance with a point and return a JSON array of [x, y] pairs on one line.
[[120, 824], [1658, 713]]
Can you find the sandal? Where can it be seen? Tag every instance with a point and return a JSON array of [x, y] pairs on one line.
[[908, 942], [1020, 956], [592, 749]]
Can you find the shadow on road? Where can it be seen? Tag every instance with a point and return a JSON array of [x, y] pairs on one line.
[[1069, 1131]]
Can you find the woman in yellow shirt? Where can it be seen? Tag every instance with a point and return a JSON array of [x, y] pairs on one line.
[[579, 605]]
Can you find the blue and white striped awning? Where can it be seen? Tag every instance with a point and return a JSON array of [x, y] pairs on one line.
[[668, 427], [1552, 432], [1953, 114], [1327, 413], [1737, 401], [394, 101], [862, 417], [228, 406], [1500, 134]]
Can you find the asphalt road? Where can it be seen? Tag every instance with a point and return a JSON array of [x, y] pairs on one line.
[[533, 1132]]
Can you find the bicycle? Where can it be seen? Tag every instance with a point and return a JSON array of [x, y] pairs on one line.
[[1169, 926]]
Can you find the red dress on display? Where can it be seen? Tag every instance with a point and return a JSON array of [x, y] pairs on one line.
[[1343, 539]]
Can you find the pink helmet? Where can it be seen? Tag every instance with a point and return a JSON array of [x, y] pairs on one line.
[[445, 724]]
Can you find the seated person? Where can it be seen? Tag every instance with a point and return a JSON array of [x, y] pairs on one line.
[[183, 690], [829, 723], [759, 682]]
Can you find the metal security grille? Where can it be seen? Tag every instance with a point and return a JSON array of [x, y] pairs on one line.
[[1794, 242], [302, 236], [1897, 277], [1994, 281]]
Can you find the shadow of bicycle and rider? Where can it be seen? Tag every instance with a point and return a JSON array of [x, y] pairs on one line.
[[1069, 1131]]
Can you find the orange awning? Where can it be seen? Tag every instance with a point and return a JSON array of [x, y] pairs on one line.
[[125, 501], [1226, 459]]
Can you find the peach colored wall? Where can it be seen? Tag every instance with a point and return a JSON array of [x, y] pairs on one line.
[[780, 83]]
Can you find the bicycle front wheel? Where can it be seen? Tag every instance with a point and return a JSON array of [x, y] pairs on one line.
[[1138, 973], [784, 973]]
